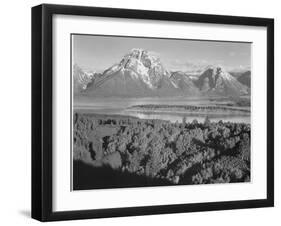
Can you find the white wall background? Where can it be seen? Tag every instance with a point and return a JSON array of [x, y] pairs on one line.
[[15, 128]]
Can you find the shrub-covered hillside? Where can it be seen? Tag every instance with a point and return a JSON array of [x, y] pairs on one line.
[[178, 153]]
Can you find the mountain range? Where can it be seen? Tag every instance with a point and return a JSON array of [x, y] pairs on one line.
[[141, 74]]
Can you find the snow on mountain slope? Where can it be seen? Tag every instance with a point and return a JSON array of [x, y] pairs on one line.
[[216, 80], [81, 79], [139, 74], [141, 65], [184, 82]]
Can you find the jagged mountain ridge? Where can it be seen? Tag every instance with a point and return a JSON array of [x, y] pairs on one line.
[[217, 81], [141, 74], [81, 79], [184, 82]]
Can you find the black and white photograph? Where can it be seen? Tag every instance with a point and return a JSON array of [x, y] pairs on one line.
[[145, 112], [152, 111]]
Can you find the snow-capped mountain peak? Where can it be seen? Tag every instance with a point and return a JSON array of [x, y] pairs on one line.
[[217, 71], [140, 73], [141, 65], [216, 79], [82, 78]]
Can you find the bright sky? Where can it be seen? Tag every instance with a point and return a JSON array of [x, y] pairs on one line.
[[100, 52]]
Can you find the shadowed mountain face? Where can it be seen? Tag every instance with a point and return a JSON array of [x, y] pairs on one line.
[[245, 78], [123, 83], [141, 74], [217, 81], [183, 82]]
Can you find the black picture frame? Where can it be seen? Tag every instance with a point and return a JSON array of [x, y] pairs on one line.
[[42, 107]]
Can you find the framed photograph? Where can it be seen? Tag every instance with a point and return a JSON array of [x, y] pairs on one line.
[[147, 112]]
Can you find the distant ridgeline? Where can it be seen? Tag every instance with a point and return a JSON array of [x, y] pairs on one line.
[[189, 108]]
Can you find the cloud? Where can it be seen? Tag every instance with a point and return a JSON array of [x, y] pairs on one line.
[[239, 68], [191, 65], [154, 53]]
